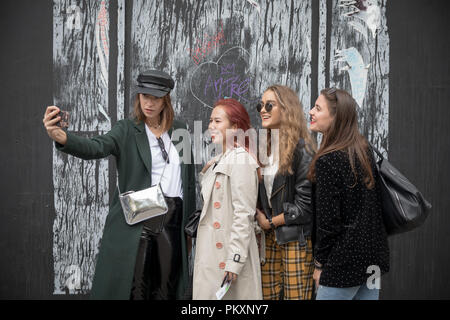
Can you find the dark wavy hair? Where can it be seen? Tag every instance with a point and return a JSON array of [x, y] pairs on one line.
[[344, 135]]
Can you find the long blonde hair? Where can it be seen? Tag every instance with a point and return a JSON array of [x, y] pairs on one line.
[[167, 114], [293, 127]]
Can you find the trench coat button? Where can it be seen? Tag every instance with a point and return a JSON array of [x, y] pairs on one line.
[[219, 245], [222, 265], [217, 184], [216, 225], [217, 205]]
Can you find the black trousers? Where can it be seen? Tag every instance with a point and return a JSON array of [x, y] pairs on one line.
[[158, 262]]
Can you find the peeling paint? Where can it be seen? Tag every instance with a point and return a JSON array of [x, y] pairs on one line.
[[360, 64], [81, 197]]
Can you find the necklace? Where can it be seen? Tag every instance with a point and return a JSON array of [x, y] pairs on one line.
[[154, 126]]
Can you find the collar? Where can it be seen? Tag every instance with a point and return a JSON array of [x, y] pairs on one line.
[[140, 127]]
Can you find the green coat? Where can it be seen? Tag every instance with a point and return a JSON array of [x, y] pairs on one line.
[[128, 142]]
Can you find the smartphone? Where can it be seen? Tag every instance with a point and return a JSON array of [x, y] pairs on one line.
[[64, 122], [225, 280]]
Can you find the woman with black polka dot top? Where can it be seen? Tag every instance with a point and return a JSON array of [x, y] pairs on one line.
[[350, 247]]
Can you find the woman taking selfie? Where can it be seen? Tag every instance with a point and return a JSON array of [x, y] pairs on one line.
[[285, 211], [351, 240], [226, 247], [147, 260]]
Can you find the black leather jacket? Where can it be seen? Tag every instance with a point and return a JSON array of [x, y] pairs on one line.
[[291, 195]]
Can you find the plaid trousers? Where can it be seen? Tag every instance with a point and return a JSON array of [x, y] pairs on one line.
[[288, 271]]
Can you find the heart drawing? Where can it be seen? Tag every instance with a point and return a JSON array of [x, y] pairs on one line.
[[228, 77]]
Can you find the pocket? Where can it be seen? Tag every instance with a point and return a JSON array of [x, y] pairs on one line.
[[285, 233], [155, 225], [174, 214]]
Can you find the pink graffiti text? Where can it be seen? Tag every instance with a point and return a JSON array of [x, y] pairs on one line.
[[206, 45], [102, 19]]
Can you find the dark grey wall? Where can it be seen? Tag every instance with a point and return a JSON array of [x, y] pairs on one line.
[[419, 143], [26, 160], [419, 81]]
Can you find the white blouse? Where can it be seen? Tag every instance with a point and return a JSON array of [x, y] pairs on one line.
[[171, 183], [269, 175]]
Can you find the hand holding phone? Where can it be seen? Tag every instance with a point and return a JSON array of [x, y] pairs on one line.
[[54, 121], [225, 280], [64, 122]]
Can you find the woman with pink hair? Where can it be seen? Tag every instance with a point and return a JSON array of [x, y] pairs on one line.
[[226, 248]]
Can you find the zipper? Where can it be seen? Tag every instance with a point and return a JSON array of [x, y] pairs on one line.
[[282, 199], [278, 190]]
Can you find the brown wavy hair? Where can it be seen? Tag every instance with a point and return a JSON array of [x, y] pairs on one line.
[[166, 116], [293, 127], [344, 135]]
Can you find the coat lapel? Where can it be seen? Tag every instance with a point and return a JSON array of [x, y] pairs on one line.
[[143, 146]]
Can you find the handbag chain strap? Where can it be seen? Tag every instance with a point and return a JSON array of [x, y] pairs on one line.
[[165, 164]]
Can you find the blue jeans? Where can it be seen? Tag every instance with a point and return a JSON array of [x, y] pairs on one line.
[[353, 293]]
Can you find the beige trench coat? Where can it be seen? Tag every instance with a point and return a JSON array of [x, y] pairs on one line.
[[225, 237]]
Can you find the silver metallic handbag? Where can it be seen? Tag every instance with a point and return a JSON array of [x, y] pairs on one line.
[[144, 204]]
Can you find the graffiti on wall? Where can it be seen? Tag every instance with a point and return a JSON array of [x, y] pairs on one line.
[[360, 62], [204, 46], [227, 77], [213, 50]]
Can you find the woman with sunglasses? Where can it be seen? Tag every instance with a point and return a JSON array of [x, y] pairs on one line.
[[148, 260], [285, 211], [226, 248], [351, 242]]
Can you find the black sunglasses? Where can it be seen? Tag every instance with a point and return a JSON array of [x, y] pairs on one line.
[[268, 106], [163, 150]]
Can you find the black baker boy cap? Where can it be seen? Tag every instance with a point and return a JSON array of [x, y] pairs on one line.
[[154, 82]]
